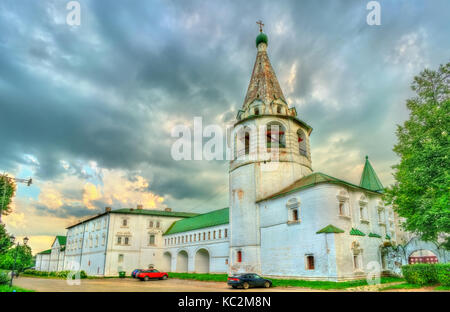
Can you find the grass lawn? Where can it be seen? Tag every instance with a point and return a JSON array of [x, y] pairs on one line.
[[286, 282], [443, 288], [6, 288], [401, 286]]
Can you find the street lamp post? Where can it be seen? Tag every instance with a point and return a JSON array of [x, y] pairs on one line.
[[12, 239]]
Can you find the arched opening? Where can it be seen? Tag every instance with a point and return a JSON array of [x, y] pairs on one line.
[[422, 256], [301, 137], [242, 142], [202, 261], [182, 261], [167, 262], [275, 135]]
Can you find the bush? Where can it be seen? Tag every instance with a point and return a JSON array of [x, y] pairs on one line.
[[60, 274], [425, 273], [4, 278], [443, 273]]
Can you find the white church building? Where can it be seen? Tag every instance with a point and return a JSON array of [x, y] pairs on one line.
[[283, 220]]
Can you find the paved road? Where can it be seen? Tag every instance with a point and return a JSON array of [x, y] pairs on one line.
[[133, 285]]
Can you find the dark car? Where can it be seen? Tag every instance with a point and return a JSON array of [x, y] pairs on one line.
[[248, 280], [135, 273]]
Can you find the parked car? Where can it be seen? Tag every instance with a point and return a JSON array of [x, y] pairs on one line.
[[146, 275], [135, 273], [248, 280]]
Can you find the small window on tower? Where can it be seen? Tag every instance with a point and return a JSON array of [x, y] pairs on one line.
[[302, 143], [239, 256], [256, 111], [275, 135], [278, 109]]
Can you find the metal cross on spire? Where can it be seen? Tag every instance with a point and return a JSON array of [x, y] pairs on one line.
[[260, 23]]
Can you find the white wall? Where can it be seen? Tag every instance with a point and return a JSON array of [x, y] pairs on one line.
[[284, 245], [217, 249]]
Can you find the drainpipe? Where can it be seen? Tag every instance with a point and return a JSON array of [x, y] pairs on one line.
[[82, 243], [57, 263], [106, 245]]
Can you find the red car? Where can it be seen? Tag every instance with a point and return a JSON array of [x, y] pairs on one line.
[[152, 274]]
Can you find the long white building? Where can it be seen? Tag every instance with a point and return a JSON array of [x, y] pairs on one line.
[[284, 219]]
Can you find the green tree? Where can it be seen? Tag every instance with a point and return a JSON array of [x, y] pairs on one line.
[[24, 258], [421, 191], [5, 241], [7, 191]]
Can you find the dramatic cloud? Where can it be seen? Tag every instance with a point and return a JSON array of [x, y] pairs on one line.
[[87, 110]]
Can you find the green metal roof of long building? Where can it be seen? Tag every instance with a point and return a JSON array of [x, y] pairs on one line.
[[209, 219], [153, 212]]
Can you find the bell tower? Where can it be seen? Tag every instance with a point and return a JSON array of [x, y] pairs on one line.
[[271, 151]]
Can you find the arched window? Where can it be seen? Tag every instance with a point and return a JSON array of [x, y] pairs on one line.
[[256, 111], [275, 135], [343, 204], [279, 109], [363, 210], [293, 206], [301, 137], [242, 142], [357, 257]]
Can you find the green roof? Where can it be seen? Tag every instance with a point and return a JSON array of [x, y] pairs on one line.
[[262, 37], [311, 180], [330, 229], [45, 252], [61, 240], [213, 218], [357, 232], [153, 212], [374, 235], [369, 178]]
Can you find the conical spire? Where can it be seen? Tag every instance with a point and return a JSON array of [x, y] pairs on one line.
[[369, 178], [263, 84]]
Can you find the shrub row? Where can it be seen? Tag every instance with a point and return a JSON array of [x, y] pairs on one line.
[[61, 274], [426, 274], [4, 278]]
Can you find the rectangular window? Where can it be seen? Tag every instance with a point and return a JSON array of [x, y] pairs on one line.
[[209, 235], [220, 233], [310, 262], [341, 208], [120, 258], [124, 222], [214, 235], [151, 224], [239, 256], [119, 240], [126, 240], [226, 232], [357, 261], [152, 239], [158, 224], [294, 215]]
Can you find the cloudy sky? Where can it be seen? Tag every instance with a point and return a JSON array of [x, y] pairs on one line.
[[87, 110]]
